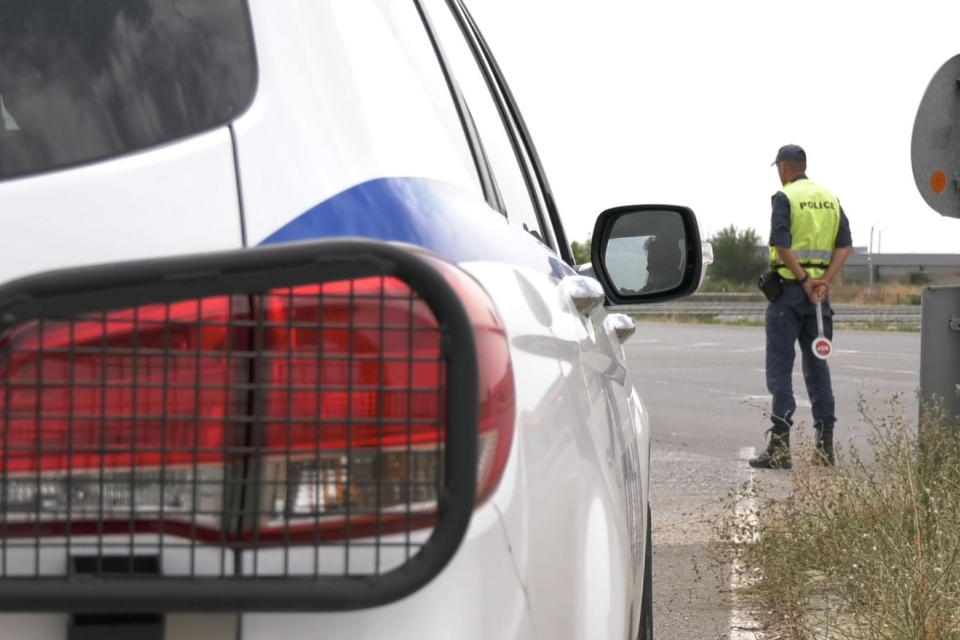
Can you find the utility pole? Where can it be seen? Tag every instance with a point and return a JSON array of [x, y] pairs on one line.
[[870, 260]]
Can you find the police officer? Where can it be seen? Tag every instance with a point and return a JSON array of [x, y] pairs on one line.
[[809, 243]]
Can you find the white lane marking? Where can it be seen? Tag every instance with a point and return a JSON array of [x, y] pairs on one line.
[[838, 378], [688, 387], [861, 381], [715, 347], [800, 401], [742, 624], [903, 371], [747, 350], [877, 354]]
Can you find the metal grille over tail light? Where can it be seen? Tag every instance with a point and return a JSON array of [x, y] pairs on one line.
[[268, 426]]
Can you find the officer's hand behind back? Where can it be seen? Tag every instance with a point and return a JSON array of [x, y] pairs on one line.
[[816, 290]]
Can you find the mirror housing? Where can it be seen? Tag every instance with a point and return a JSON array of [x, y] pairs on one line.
[[707, 261], [647, 253]]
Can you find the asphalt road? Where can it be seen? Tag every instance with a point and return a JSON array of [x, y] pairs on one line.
[[704, 387]]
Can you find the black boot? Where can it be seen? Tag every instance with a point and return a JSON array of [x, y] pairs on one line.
[[824, 454], [777, 455]]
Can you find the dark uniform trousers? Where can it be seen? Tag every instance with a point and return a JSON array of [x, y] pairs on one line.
[[790, 320]]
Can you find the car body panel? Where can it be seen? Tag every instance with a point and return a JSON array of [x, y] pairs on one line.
[[326, 117], [328, 149], [177, 199], [477, 597]]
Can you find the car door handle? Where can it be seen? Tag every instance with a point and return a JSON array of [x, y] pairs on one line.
[[620, 324], [585, 293]]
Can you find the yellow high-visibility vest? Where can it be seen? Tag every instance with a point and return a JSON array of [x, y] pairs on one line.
[[814, 224]]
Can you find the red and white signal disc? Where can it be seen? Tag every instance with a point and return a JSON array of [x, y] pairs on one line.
[[822, 348]]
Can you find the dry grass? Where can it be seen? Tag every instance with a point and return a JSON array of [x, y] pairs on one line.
[[869, 550], [882, 294]]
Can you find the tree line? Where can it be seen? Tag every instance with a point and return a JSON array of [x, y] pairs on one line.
[[739, 256]]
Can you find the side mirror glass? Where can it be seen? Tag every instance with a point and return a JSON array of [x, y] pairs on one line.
[[647, 253]]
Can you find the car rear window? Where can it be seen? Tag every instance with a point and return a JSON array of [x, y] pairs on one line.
[[85, 80]]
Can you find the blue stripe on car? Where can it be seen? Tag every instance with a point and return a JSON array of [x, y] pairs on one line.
[[443, 218]]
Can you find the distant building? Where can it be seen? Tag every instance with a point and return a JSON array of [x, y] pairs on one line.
[[907, 268]]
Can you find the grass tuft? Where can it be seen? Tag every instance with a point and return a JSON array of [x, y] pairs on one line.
[[869, 550]]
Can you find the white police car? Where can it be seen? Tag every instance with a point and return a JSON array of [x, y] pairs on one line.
[[292, 342]]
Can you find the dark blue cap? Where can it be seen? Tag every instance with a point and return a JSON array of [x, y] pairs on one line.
[[790, 153]]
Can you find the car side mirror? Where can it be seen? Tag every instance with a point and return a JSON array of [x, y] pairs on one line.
[[647, 253]]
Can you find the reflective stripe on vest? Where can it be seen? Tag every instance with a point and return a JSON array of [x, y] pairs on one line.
[[810, 255], [814, 224]]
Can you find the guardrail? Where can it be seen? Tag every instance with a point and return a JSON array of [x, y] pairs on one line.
[[714, 307]]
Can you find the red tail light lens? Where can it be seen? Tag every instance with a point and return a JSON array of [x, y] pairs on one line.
[[497, 391], [333, 392], [360, 358], [139, 387]]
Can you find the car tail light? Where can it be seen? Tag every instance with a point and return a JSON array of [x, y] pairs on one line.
[[351, 376], [93, 407], [249, 420], [365, 358]]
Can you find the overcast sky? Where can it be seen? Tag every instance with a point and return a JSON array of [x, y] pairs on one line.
[[687, 101]]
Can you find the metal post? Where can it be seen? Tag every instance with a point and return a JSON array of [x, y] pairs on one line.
[[870, 260], [939, 361], [934, 152]]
